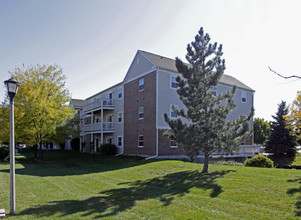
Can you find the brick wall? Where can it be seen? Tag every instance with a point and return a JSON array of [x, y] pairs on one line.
[[133, 99]]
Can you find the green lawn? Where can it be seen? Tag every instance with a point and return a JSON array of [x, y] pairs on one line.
[[76, 186]]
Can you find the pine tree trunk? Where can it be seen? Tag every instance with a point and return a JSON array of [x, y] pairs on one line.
[[206, 163]]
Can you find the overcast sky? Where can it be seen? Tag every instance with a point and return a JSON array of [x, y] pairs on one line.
[[94, 41]]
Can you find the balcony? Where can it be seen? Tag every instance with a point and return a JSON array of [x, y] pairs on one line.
[[107, 127], [106, 103]]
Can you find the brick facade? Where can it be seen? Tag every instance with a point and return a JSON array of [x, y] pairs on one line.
[[133, 127]]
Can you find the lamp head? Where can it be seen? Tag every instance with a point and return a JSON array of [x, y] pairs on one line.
[[12, 87]]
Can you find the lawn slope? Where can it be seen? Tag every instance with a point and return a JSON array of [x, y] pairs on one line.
[[75, 186]]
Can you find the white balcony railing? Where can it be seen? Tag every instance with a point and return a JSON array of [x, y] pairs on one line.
[[107, 126], [106, 103]]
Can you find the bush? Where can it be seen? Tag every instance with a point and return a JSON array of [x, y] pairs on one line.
[[4, 153], [75, 144], [259, 161], [108, 149]]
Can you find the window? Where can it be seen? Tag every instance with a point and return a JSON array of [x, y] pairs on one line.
[[173, 144], [119, 141], [172, 113], [140, 141], [243, 97], [110, 96], [120, 93], [173, 82], [141, 84], [119, 117], [141, 113]]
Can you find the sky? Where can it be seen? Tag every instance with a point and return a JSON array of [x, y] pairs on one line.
[[95, 41]]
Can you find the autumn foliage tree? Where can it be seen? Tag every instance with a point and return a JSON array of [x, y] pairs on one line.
[[42, 102], [293, 118], [205, 127]]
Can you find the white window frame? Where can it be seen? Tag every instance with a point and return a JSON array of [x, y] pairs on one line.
[[171, 82], [120, 93], [141, 84], [120, 122], [139, 137], [243, 97], [171, 144], [140, 111], [171, 111], [120, 141]]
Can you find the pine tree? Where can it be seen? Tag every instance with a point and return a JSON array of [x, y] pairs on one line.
[[280, 142], [208, 129]]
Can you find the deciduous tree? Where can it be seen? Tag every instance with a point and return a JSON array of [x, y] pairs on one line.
[[261, 130], [43, 100], [207, 129], [293, 118]]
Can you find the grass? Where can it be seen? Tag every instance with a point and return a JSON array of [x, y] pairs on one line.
[[76, 186]]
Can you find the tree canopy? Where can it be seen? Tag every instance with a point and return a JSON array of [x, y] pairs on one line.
[[261, 130], [207, 129], [293, 118], [41, 103]]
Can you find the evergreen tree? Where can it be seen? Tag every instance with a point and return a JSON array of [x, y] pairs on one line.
[[207, 129], [280, 142]]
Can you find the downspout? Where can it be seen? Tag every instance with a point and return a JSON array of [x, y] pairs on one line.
[[157, 136], [157, 148]]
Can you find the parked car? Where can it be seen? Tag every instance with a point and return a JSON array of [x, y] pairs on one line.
[[21, 146]]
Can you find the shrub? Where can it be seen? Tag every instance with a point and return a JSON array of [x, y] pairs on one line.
[[259, 161], [4, 153], [108, 149], [75, 144]]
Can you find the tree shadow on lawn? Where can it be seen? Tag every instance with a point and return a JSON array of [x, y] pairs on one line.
[[113, 201], [296, 191], [75, 166]]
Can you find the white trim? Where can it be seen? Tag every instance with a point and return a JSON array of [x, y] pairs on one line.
[[243, 95], [172, 146], [121, 141], [142, 84], [119, 93], [138, 141], [170, 81], [142, 107], [118, 117], [137, 77]]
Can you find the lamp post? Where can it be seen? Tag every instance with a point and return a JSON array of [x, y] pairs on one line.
[[12, 88]]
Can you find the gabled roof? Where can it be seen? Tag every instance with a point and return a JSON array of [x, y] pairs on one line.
[[170, 65], [78, 102]]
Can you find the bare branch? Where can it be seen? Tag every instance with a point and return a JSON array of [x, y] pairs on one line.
[[285, 77]]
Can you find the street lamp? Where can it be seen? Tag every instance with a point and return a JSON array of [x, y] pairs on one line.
[[12, 88]]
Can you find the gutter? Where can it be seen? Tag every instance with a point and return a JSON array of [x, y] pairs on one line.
[[157, 148]]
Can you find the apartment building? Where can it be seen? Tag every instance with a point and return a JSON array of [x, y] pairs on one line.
[[131, 113]]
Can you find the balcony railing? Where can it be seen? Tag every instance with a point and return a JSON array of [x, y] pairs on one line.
[[107, 126], [106, 103]]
